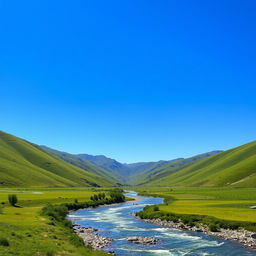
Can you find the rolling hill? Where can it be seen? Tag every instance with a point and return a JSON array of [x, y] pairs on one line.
[[159, 169], [234, 167], [25, 164], [125, 174], [82, 163]]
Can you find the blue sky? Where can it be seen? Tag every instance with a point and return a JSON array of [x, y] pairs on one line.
[[133, 80]]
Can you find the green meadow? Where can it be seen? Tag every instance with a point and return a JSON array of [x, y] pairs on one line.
[[223, 203], [29, 233]]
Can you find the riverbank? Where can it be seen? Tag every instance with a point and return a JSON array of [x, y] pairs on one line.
[[26, 231], [129, 235], [91, 238], [242, 236]]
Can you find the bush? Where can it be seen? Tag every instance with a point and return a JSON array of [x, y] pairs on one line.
[[155, 208], [4, 242], [50, 253], [57, 212], [76, 240], [12, 199], [116, 196], [213, 228]]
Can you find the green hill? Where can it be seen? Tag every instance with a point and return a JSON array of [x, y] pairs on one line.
[[234, 167], [25, 164], [154, 170], [83, 164]]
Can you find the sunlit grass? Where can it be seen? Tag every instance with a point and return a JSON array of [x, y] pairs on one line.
[[29, 233], [223, 203]]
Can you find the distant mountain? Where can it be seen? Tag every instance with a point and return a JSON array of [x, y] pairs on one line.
[[150, 171], [82, 162], [121, 171], [26, 164], [124, 174], [234, 167]]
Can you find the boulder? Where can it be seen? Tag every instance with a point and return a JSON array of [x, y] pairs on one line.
[[142, 240]]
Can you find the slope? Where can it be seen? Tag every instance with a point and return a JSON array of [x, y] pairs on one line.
[[25, 164], [162, 168], [83, 164], [112, 166], [234, 167]]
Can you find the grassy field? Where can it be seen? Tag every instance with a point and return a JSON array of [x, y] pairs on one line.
[[29, 233], [223, 203]]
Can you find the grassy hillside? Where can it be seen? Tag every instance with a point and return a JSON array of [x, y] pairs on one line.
[[83, 164], [234, 167], [25, 164], [155, 170]]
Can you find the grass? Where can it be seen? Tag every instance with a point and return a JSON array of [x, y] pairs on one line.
[[222, 203], [27, 165], [234, 167], [29, 233]]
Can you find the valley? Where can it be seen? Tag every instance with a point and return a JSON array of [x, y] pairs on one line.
[[215, 188]]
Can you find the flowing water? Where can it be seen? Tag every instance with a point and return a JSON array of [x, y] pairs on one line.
[[116, 222]]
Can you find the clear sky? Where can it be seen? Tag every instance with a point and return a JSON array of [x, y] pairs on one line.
[[136, 80]]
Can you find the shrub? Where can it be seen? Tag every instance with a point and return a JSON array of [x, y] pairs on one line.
[[76, 240], [50, 253], [12, 199], [116, 196], [57, 212], [155, 208], [214, 228], [4, 242]]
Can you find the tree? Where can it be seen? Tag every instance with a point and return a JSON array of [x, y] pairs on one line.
[[12, 199], [117, 196]]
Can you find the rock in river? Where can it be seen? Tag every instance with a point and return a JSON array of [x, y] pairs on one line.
[[142, 240]]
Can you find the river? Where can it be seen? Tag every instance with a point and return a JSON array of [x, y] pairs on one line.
[[116, 222]]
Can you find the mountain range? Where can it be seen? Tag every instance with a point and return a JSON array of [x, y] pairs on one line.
[[23, 163]]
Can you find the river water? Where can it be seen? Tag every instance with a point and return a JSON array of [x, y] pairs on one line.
[[116, 222]]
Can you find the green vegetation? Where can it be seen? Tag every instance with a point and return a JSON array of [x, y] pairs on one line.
[[144, 173], [216, 189], [216, 207], [4, 242], [13, 199], [25, 164], [235, 167], [39, 228], [81, 162]]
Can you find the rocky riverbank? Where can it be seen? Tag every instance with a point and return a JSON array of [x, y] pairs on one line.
[[90, 237], [244, 237]]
